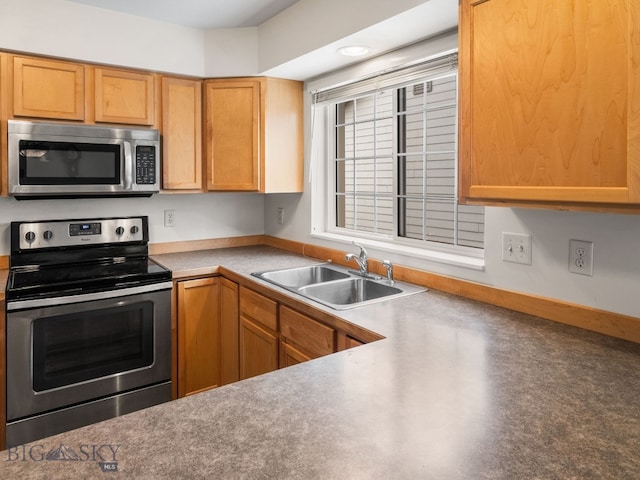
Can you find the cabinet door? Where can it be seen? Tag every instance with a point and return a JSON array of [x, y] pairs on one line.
[[283, 136], [229, 317], [258, 334], [550, 101], [198, 335], [258, 349], [289, 355], [232, 120], [181, 134], [124, 97], [48, 89], [344, 342], [308, 335]]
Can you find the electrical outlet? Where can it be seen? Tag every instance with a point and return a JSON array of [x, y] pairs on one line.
[[581, 257], [516, 248], [169, 218], [280, 215]]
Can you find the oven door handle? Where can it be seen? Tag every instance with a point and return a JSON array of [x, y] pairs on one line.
[[86, 297]]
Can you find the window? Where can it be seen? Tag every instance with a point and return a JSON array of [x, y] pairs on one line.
[[393, 160]]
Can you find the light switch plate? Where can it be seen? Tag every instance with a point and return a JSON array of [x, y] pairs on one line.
[[516, 248]]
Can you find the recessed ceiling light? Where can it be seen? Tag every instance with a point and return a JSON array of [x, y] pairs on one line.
[[354, 51]]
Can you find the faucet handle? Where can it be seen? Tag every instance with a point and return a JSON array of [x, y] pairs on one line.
[[363, 252]]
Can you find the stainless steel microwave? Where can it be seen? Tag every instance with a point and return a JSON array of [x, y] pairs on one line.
[[55, 160]]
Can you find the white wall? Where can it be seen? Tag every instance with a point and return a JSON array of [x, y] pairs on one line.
[[197, 216], [615, 284], [71, 30]]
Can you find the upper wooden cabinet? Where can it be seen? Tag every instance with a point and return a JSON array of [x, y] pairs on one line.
[[550, 103], [61, 90], [254, 135], [181, 134], [48, 89], [124, 97]]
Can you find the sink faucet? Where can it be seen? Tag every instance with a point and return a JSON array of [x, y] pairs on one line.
[[362, 259]]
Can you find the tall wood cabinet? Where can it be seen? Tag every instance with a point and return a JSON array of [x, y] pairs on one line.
[[550, 102], [199, 335], [181, 134], [254, 134]]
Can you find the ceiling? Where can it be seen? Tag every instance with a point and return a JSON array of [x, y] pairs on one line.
[[207, 14], [427, 19]]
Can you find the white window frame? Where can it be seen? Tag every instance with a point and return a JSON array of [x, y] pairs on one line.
[[323, 221]]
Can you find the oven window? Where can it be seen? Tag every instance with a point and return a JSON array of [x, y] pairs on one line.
[[62, 163], [82, 346]]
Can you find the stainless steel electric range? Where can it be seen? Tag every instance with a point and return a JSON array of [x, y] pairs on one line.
[[88, 325]]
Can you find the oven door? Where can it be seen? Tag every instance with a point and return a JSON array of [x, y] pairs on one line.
[[71, 353]]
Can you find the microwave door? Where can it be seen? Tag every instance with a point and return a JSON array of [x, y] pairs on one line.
[[59, 167]]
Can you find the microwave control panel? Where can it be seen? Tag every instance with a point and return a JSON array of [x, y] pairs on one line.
[[145, 164]]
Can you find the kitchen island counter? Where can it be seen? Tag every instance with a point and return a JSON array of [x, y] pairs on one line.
[[456, 390]]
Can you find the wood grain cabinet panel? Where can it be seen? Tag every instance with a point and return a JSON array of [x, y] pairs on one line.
[[311, 337], [181, 134], [199, 335], [290, 355], [258, 349], [229, 318], [550, 102], [123, 96], [254, 134], [258, 334], [48, 89]]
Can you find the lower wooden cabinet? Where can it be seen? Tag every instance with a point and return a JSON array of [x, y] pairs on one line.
[[229, 355], [199, 335], [303, 338], [345, 342], [258, 349], [258, 334], [228, 332], [290, 355]]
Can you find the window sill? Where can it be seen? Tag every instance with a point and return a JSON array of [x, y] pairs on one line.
[[447, 258]]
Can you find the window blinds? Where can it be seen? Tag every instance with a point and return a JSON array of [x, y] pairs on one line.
[[396, 77]]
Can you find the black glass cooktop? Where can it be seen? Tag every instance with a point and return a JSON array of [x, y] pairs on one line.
[[83, 277]]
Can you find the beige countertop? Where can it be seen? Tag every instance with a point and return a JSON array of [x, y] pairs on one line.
[[456, 390]]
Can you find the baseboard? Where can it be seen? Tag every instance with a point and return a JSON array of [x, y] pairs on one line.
[[209, 244]]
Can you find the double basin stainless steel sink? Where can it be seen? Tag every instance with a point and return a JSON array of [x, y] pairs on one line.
[[337, 287]]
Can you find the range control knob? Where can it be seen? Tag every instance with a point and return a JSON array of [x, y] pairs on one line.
[[29, 236], [134, 230], [119, 231], [47, 235]]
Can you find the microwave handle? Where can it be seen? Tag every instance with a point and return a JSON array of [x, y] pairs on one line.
[[129, 164]]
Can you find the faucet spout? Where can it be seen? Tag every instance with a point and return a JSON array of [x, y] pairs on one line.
[[362, 259]]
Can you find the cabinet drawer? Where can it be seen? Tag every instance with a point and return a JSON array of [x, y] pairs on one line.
[[312, 336], [259, 308]]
